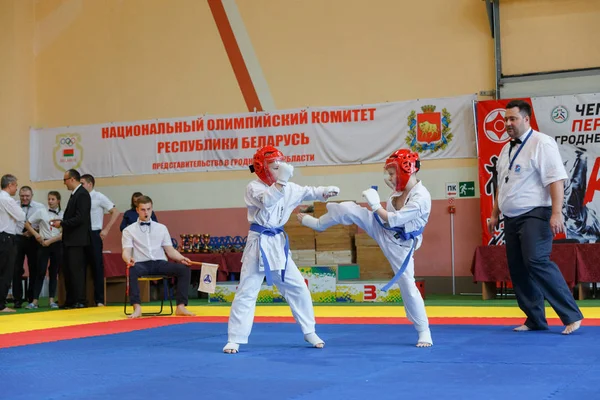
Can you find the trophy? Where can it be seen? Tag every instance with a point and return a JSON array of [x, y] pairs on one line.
[[185, 243], [204, 243], [196, 243]]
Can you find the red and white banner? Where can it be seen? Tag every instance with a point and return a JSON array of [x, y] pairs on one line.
[[436, 128], [574, 122]]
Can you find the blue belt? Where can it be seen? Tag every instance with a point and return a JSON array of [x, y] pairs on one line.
[[400, 234], [270, 232]]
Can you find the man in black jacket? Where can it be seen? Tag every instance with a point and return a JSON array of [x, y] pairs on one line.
[[76, 236]]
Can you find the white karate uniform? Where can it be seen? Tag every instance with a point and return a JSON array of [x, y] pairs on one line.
[[412, 216], [271, 208]]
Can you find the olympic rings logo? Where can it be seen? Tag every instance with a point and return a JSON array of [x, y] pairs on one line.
[[68, 141]]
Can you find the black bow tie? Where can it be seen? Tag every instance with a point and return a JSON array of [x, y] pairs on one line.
[[145, 223], [25, 205], [53, 211], [515, 142]]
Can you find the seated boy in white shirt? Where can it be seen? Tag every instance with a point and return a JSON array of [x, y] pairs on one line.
[[146, 245]]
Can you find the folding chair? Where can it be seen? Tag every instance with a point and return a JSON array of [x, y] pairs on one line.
[[504, 287], [153, 278]]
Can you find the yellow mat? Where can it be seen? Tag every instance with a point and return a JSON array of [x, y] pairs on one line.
[[61, 318]]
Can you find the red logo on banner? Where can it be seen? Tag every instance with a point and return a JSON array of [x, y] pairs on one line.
[[495, 127], [429, 130], [429, 125]]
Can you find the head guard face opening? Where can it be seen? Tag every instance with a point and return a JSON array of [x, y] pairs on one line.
[[260, 164], [405, 163]]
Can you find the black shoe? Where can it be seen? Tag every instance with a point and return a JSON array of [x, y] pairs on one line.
[[79, 305], [18, 305], [66, 307]]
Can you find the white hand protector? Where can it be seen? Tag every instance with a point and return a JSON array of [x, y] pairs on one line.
[[284, 173], [372, 197], [331, 191]]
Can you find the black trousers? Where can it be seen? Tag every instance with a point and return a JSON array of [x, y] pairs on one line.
[[25, 247], [159, 267], [534, 277], [7, 265], [94, 256], [74, 262], [53, 253]]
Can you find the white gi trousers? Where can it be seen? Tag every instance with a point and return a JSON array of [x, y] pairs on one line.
[[293, 289], [395, 250]]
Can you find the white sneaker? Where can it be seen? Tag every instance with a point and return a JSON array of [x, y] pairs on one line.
[[31, 306]]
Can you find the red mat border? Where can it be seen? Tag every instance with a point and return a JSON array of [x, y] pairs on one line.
[[128, 325]]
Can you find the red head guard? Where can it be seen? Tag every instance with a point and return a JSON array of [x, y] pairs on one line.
[[260, 164], [405, 163]]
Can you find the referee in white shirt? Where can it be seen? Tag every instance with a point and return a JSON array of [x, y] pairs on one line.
[[10, 214], [530, 196], [100, 206], [144, 246]]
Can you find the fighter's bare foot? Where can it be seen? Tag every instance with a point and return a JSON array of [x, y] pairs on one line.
[[137, 311], [231, 348], [315, 340], [425, 339], [181, 310], [522, 328], [571, 327], [7, 310]]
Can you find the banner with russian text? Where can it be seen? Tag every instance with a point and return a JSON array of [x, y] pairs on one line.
[[436, 128], [574, 122]]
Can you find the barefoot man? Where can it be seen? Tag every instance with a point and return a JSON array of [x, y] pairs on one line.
[[146, 246], [531, 176]]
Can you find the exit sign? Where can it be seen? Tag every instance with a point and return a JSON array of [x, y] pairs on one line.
[[466, 189]]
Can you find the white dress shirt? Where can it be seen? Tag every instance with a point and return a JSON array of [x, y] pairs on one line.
[[42, 217], [29, 210], [146, 241], [537, 165], [100, 206], [10, 213]]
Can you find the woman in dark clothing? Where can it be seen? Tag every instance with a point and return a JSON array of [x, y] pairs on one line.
[[130, 216]]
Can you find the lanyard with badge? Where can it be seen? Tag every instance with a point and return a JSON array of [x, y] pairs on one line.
[[28, 207], [511, 161]]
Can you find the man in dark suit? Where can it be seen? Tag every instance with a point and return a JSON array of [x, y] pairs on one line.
[[76, 237]]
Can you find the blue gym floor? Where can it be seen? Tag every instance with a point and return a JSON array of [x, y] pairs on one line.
[[359, 362]]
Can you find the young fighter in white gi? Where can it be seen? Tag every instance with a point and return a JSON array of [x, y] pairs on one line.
[[397, 229], [271, 199]]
